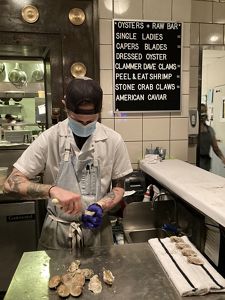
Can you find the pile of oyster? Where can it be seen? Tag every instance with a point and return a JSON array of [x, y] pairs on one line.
[[186, 250], [73, 281]]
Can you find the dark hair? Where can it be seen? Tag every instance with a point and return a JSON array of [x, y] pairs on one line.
[[9, 117], [81, 91]]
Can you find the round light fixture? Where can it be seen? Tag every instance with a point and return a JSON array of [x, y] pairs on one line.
[[30, 14], [78, 69], [76, 16]]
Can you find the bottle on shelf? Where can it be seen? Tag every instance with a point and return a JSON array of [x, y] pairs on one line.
[[147, 195]]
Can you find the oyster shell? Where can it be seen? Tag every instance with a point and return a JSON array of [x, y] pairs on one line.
[[74, 266], [182, 245], [108, 276], [78, 279], [76, 290], [95, 285], [188, 252], [63, 291], [88, 273], [67, 279], [195, 260], [176, 239], [54, 281]]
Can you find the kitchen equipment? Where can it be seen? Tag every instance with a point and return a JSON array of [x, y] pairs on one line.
[[18, 233], [17, 76], [5, 100], [17, 99], [38, 75], [18, 136], [158, 150], [162, 153], [134, 182]]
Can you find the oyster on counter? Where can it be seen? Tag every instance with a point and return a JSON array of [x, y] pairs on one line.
[[182, 245], [195, 260], [76, 290], [63, 291], [88, 273], [108, 277], [78, 279], [74, 266], [188, 252], [54, 281], [176, 239], [66, 279], [73, 281], [95, 285]]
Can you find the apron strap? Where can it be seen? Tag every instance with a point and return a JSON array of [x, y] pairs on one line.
[[75, 232]]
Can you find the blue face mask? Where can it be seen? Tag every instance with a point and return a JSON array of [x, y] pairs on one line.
[[80, 129]]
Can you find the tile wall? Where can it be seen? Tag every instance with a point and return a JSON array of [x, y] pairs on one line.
[[201, 20]]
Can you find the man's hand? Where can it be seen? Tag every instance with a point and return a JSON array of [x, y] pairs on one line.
[[69, 201], [94, 221]]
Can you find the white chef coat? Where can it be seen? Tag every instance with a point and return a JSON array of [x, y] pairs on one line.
[[45, 154]]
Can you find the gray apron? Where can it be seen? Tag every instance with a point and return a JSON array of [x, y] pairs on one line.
[[61, 230]]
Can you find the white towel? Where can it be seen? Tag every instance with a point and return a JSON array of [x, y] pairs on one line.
[[152, 158], [189, 279]]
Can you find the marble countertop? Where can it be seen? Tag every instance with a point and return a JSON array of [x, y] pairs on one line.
[[203, 190]]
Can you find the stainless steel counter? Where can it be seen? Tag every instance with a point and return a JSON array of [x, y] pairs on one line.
[[138, 275], [14, 197], [9, 153]]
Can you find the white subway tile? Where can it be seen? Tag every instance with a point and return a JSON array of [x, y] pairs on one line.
[[130, 129], [156, 129]]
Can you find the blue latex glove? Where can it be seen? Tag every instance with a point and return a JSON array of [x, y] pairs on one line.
[[94, 221], [171, 228]]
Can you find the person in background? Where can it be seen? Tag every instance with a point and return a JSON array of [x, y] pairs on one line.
[[84, 165], [207, 140], [10, 120]]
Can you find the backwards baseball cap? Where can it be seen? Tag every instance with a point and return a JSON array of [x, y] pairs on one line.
[[82, 91]]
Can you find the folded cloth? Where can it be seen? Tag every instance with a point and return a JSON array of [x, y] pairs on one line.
[[189, 279], [152, 158]]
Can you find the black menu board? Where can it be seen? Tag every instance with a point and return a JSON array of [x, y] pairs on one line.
[[147, 65]]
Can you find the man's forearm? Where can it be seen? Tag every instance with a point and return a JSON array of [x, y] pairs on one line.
[[111, 199], [18, 183]]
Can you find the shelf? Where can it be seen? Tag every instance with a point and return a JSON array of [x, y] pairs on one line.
[[10, 109]]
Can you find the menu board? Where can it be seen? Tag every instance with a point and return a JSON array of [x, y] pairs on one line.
[[147, 66]]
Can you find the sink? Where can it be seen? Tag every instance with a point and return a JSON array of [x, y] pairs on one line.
[[139, 215], [141, 236], [141, 223]]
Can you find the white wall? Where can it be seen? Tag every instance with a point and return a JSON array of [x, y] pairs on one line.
[[203, 23], [167, 130]]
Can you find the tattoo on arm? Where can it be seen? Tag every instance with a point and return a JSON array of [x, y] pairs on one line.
[[110, 195], [119, 182], [35, 190], [14, 182], [22, 185]]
